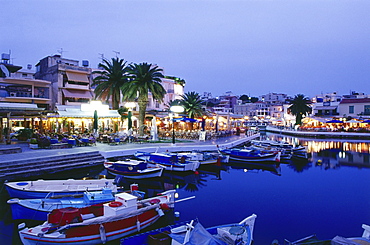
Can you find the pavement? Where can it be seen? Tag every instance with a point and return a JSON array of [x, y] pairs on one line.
[[122, 149]]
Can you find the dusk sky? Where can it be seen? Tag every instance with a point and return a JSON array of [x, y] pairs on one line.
[[248, 47]]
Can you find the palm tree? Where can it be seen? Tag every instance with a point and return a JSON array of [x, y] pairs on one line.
[[192, 103], [110, 80], [144, 78], [300, 106]]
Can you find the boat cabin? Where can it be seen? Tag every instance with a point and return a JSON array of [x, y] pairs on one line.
[[123, 203]]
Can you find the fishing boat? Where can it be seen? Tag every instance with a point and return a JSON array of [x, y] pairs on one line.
[[133, 169], [171, 162], [99, 223], [204, 157], [42, 188], [193, 233], [251, 155], [38, 209]]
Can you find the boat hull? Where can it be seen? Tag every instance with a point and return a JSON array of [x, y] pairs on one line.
[[44, 188], [93, 234]]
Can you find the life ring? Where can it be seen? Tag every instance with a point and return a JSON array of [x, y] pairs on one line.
[[115, 204]]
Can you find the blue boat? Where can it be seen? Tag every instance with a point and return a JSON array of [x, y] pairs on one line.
[[251, 155], [171, 162], [193, 233], [38, 209]]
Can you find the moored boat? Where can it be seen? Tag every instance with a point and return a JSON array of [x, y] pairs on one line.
[[251, 155], [204, 157], [193, 233], [133, 169], [171, 162], [99, 223], [42, 188]]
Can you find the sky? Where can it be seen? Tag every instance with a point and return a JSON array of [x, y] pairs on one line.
[[251, 47]]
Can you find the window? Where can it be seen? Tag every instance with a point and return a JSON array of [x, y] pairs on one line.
[[351, 109], [367, 109]]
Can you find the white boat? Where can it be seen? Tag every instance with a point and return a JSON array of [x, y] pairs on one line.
[[204, 157], [133, 169], [98, 223], [42, 188], [193, 233]]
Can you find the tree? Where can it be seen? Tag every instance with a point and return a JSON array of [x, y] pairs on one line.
[[143, 78], [110, 80], [300, 106], [192, 103]]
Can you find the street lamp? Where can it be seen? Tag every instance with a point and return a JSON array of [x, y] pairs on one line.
[[175, 109]]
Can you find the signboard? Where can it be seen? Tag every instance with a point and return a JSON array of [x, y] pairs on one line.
[[202, 135]]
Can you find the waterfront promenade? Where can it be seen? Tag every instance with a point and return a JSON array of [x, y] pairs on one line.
[[318, 134], [122, 149]]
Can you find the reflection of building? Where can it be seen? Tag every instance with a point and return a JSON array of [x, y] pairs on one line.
[[70, 83]]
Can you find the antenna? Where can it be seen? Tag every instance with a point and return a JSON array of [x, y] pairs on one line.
[[117, 53], [101, 56], [61, 51]]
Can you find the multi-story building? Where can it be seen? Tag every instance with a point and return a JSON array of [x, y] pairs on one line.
[[326, 105], [18, 85], [274, 98], [70, 83]]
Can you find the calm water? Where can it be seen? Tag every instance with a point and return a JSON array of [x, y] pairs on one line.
[[327, 196]]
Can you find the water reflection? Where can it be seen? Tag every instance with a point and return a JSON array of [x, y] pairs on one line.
[[330, 154], [254, 167]]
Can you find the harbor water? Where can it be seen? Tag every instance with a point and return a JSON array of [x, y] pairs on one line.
[[326, 195]]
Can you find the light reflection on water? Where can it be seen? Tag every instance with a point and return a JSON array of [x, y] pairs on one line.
[[326, 195]]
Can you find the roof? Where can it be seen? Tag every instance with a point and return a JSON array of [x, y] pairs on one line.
[[355, 101]]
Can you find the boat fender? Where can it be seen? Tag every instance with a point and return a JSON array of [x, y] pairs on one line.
[[138, 225], [159, 211], [115, 204], [103, 236], [164, 206]]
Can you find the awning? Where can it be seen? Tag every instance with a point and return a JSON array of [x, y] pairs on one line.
[[71, 93], [77, 77], [185, 119], [325, 107]]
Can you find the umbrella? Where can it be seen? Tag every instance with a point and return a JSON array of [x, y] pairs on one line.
[[334, 121], [185, 119], [352, 121], [366, 121]]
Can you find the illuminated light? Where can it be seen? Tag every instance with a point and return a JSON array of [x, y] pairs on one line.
[[176, 195], [245, 170], [177, 186]]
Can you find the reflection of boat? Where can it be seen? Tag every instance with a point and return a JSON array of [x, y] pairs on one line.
[[272, 167], [251, 155], [99, 223], [193, 233], [43, 188], [171, 162], [133, 169], [212, 169]]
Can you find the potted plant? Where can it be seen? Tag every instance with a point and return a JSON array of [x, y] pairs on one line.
[[33, 143]]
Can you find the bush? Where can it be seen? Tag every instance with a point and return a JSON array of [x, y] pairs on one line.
[[25, 134]]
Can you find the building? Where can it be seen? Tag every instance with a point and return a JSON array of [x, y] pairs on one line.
[[355, 108], [326, 105], [70, 83]]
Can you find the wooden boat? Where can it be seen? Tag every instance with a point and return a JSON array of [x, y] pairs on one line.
[[133, 169], [337, 240], [204, 157], [251, 155], [171, 162], [38, 209], [193, 233], [99, 223], [42, 188]]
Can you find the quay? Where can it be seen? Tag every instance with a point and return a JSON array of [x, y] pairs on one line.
[[318, 134], [34, 162]]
